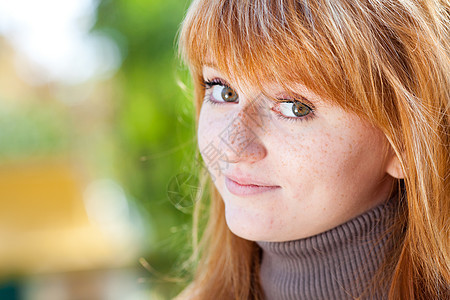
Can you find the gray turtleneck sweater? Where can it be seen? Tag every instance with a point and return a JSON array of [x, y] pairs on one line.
[[337, 264]]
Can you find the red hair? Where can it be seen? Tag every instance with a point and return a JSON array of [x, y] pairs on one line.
[[387, 61]]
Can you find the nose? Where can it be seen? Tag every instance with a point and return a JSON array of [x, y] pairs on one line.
[[241, 140]]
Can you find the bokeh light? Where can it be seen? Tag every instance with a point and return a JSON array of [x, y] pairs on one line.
[[93, 127]]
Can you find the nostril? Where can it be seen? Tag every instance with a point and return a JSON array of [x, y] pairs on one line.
[[253, 152], [256, 152]]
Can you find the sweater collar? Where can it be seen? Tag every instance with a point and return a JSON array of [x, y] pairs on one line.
[[337, 264]]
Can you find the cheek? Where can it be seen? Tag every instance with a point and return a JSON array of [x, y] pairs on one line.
[[207, 129], [314, 152], [210, 145], [321, 159], [301, 163]]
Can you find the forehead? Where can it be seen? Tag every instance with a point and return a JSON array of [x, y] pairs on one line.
[[288, 43]]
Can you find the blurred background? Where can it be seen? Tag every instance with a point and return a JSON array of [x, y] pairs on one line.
[[96, 150]]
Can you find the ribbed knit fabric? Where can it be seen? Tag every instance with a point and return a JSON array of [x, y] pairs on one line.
[[337, 264]]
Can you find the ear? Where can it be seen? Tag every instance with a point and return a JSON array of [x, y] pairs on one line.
[[393, 166]]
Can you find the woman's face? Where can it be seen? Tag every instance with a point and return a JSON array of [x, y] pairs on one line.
[[290, 168]]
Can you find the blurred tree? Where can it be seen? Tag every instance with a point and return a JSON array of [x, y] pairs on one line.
[[153, 122]]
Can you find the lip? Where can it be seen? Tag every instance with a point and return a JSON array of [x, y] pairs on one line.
[[244, 187]]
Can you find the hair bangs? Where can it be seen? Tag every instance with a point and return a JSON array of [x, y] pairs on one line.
[[254, 43], [389, 62]]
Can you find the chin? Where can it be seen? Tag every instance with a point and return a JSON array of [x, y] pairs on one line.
[[248, 226]]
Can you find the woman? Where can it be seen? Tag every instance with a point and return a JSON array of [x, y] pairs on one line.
[[324, 126]]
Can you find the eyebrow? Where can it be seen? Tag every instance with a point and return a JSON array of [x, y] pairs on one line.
[[210, 64], [290, 96]]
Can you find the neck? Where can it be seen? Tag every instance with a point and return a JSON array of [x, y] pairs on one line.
[[337, 264]]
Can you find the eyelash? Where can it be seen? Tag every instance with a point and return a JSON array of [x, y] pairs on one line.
[[308, 117], [208, 84]]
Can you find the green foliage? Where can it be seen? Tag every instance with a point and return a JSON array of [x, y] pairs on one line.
[[154, 120], [32, 131]]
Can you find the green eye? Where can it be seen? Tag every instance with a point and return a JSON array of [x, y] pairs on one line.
[[299, 109], [222, 93], [293, 109], [228, 94]]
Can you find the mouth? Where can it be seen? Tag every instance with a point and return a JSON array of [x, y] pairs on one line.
[[240, 189]]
